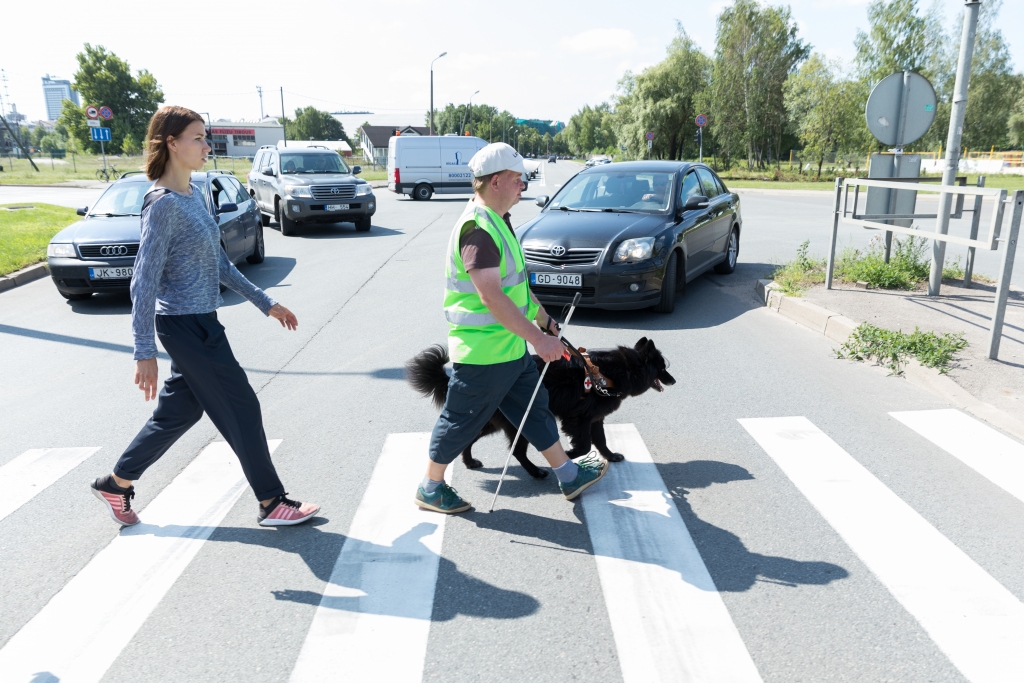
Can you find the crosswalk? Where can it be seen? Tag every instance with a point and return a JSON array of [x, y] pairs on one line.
[[667, 617]]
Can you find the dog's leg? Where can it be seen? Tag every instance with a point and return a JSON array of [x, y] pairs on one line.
[[597, 434], [579, 437], [467, 456]]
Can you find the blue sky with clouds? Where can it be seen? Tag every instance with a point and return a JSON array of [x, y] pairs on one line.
[[537, 60]]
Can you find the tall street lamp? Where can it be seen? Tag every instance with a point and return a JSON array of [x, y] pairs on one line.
[[470, 112], [432, 91]]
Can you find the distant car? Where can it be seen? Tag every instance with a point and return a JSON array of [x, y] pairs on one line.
[[97, 254], [297, 185], [552, 159], [630, 235]]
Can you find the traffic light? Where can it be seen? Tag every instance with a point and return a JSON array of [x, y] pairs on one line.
[[697, 136]]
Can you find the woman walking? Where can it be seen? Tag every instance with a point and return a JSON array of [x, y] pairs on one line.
[[175, 289]]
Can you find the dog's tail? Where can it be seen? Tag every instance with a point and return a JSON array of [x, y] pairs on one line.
[[425, 372]]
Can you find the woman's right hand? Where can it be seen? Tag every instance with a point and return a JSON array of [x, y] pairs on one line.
[[145, 377]]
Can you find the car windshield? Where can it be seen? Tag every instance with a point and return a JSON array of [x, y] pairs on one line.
[[121, 199], [610, 190], [328, 162]]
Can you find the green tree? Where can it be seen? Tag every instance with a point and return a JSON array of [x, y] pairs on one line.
[[131, 146], [314, 124], [38, 133], [756, 49], [823, 106], [73, 120], [103, 78], [52, 142], [591, 130]]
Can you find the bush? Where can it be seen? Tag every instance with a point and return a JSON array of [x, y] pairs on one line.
[[906, 266], [800, 273], [891, 348]]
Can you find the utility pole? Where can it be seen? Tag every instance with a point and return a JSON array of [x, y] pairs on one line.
[[462, 130], [18, 140], [284, 125], [432, 91], [260, 91], [956, 129]]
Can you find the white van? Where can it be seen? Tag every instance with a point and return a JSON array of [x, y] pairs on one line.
[[420, 165]]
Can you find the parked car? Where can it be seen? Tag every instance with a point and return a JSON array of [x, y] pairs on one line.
[[312, 184], [97, 254], [631, 235]]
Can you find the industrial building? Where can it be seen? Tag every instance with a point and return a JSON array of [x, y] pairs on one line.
[[55, 91]]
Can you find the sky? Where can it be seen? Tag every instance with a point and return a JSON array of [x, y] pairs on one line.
[[537, 60]]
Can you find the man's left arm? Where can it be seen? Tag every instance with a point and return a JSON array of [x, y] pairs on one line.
[[543, 320]]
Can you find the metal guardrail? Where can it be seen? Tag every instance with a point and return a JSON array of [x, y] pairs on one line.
[[843, 213]]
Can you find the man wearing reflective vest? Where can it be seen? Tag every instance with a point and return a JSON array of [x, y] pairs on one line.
[[489, 308]]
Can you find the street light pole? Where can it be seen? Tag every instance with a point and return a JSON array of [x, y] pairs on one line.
[[432, 91], [470, 111]]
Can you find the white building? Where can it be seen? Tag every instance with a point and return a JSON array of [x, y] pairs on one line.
[[241, 138], [55, 91]]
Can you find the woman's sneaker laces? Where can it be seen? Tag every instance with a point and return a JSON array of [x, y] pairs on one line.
[[117, 499], [283, 511]]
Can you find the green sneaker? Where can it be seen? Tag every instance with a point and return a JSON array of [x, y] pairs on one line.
[[592, 468], [445, 499]]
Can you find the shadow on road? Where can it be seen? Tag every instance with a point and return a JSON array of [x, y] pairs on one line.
[[266, 275]]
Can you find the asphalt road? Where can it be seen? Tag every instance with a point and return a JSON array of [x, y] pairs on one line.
[[789, 521]]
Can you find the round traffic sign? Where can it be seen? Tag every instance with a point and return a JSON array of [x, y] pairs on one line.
[[650, 135], [92, 112], [702, 120], [106, 113], [884, 108]]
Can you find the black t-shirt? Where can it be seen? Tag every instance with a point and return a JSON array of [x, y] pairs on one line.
[[478, 248]]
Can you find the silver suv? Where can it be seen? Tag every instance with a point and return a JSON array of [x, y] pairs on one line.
[[309, 185]]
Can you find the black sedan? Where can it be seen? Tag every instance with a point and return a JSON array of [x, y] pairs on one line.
[[97, 254], [631, 235]]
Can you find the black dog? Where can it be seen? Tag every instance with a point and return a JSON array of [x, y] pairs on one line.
[[581, 410]]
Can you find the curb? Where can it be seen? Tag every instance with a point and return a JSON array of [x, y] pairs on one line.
[[23, 276], [838, 329]]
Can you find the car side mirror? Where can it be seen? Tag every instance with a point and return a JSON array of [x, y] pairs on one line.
[[82, 211], [542, 200], [227, 207], [356, 170], [268, 171], [698, 202]]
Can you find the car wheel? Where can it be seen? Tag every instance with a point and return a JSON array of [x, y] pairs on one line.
[[259, 249], [667, 304], [364, 224], [732, 252], [288, 226], [71, 296], [422, 192]]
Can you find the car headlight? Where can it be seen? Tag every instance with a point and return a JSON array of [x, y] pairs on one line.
[[57, 250], [297, 190], [634, 250], [363, 189]]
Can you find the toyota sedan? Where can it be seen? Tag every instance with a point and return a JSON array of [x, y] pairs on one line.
[[631, 235]]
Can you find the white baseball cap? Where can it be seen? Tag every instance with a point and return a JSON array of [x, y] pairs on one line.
[[494, 158]]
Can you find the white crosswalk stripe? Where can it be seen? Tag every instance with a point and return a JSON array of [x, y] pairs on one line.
[[23, 478], [81, 631], [374, 618], [969, 615], [667, 617], [994, 456]]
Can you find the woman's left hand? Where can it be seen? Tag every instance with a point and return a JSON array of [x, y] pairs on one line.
[[284, 316]]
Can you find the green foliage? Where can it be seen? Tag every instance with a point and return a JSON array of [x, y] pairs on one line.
[[52, 142], [38, 133], [906, 267], [892, 348], [103, 78], [131, 146], [25, 233], [313, 124], [800, 273], [591, 130]]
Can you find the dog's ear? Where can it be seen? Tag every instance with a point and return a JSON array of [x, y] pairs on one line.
[[639, 346]]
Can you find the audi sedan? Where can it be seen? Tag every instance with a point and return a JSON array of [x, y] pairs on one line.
[[631, 235], [97, 254]]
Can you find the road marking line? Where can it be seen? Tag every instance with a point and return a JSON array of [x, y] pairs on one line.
[[667, 617], [972, 618], [82, 630], [381, 591], [994, 456], [23, 478]]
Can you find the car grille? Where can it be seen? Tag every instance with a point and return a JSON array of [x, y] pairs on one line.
[[112, 284], [567, 292], [96, 250], [572, 257], [333, 191]]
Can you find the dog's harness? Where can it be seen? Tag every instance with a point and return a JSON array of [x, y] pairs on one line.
[[594, 379]]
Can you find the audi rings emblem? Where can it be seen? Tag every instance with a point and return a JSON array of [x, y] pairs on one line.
[[335, 190], [558, 250], [117, 250]]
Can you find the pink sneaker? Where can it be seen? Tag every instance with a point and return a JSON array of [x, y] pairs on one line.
[[285, 512], [117, 500]]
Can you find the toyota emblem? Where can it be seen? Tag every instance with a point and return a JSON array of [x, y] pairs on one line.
[[335, 190], [558, 250], [117, 250]]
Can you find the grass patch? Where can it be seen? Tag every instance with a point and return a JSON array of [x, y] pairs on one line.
[[891, 348], [800, 273], [24, 233]]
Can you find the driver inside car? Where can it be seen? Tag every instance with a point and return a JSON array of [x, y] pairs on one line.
[[660, 191]]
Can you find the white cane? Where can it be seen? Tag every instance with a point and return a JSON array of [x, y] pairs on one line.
[[526, 415]]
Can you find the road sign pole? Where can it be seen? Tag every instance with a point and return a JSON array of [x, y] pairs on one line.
[[104, 153], [701, 133]]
